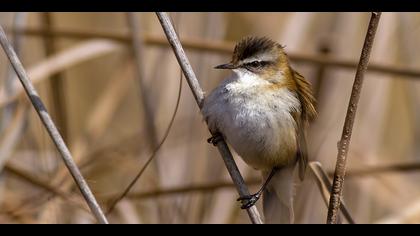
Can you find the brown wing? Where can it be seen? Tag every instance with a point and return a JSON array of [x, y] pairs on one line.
[[305, 96], [308, 112]]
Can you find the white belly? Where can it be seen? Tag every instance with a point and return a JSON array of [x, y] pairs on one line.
[[255, 121]]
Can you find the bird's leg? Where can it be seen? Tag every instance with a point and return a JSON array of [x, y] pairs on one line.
[[215, 139], [250, 200]]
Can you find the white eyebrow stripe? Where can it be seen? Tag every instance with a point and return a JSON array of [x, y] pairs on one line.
[[259, 57]]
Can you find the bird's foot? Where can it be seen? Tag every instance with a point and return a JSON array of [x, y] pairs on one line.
[[215, 139], [249, 200]]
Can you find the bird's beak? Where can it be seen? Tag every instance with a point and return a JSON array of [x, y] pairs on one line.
[[225, 66]]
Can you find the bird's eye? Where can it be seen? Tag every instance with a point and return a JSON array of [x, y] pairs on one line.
[[255, 64]]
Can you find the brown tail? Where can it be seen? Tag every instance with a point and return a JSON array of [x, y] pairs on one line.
[[278, 197]]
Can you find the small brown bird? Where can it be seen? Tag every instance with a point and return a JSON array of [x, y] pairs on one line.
[[262, 110]]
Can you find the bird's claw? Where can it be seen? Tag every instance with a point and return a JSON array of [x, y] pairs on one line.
[[249, 200], [214, 139]]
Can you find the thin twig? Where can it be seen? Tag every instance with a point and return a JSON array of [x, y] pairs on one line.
[[343, 145], [219, 47], [199, 97], [51, 128], [324, 186]]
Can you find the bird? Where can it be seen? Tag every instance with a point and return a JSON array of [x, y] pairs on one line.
[[262, 110]]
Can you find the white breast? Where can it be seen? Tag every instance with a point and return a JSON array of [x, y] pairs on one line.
[[255, 121]]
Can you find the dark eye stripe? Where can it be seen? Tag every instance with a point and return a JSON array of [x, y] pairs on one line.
[[256, 64]]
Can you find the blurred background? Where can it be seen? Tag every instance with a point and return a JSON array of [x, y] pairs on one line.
[[112, 85]]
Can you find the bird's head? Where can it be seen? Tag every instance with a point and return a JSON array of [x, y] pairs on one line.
[[259, 56]]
